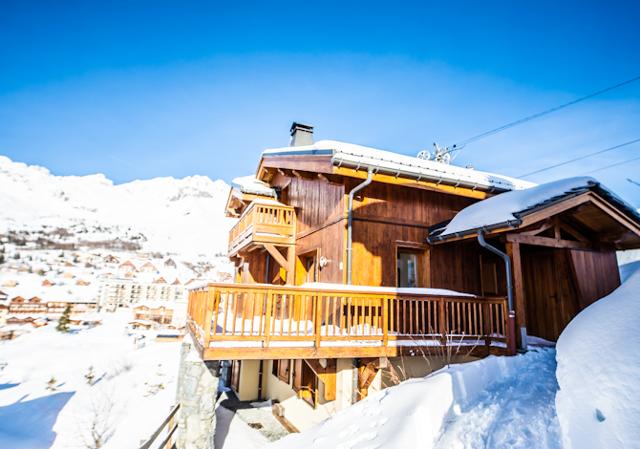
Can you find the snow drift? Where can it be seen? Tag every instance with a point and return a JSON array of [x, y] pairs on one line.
[[423, 410], [598, 404]]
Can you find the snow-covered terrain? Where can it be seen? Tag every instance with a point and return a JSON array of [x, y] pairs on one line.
[[46, 399], [184, 216], [599, 372], [497, 402], [510, 402]]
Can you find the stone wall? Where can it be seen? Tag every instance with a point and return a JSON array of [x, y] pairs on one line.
[[196, 393]]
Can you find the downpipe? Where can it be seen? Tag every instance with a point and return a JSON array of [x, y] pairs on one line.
[[352, 193], [511, 319]]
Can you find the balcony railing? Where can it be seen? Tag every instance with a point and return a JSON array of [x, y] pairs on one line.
[[263, 223], [268, 321]]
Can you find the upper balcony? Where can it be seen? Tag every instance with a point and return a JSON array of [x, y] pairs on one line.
[[263, 222], [259, 321]]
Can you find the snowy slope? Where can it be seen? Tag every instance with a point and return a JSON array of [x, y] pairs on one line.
[[174, 215], [599, 373], [497, 402], [129, 396]]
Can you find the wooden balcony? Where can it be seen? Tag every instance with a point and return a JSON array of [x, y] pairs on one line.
[[258, 321], [263, 223]]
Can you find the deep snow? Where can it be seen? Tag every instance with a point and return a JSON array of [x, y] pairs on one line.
[[497, 402], [132, 391], [599, 373]]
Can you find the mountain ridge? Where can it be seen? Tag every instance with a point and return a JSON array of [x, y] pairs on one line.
[[175, 215]]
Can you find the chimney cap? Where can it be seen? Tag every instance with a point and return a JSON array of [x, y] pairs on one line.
[[300, 126], [301, 135]]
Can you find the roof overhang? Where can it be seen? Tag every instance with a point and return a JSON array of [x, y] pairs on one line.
[[353, 161], [595, 209]]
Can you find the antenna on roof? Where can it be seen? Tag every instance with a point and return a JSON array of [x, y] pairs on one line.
[[439, 154]]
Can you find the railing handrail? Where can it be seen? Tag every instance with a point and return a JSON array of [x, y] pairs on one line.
[[164, 424], [282, 220], [297, 289], [265, 312]]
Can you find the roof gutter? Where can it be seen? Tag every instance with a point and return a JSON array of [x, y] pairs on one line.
[[456, 235], [336, 160], [352, 193]]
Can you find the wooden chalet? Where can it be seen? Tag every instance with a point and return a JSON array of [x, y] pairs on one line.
[[344, 265]]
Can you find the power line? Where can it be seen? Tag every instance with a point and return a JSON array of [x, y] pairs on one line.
[[614, 165], [633, 182], [579, 158], [459, 145]]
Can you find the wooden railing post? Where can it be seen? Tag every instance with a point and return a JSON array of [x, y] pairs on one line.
[[317, 325], [486, 323], [267, 319], [442, 324], [385, 320], [208, 314]]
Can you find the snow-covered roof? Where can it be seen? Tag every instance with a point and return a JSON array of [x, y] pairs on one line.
[[381, 161], [507, 208], [250, 184]]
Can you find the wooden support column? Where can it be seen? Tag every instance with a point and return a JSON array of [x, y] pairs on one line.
[[291, 265], [513, 250]]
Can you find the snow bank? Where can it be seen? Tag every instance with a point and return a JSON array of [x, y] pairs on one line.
[[598, 372], [504, 207], [414, 411]]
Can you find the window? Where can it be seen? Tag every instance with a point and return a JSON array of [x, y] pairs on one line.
[[408, 268]]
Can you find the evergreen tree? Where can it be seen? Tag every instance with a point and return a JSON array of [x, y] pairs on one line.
[[63, 322], [1, 258]]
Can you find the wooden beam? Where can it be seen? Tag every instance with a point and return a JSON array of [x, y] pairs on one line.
[[554, 209], [572, 231], [327, 376], [277, 255], [327, 352], [545, 225], [513, 250], [620, 218], [547, 241]]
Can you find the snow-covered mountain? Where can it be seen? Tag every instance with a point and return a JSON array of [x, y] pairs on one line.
[[184, 216]]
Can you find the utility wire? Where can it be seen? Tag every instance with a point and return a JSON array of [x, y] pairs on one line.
[[579, 158], [633, 182], [459, 145], [614, 165]]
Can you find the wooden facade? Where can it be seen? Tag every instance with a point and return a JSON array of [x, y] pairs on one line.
[[563, 258]]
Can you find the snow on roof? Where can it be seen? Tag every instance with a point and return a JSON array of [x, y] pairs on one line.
[[358, 156], [250, 184], [506, 208]]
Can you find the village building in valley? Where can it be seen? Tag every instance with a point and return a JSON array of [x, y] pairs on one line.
[[357, 268]]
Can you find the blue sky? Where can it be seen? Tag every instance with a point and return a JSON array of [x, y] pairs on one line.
[[144, 89]]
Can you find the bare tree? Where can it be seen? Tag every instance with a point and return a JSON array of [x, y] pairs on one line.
[[99, 425]]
